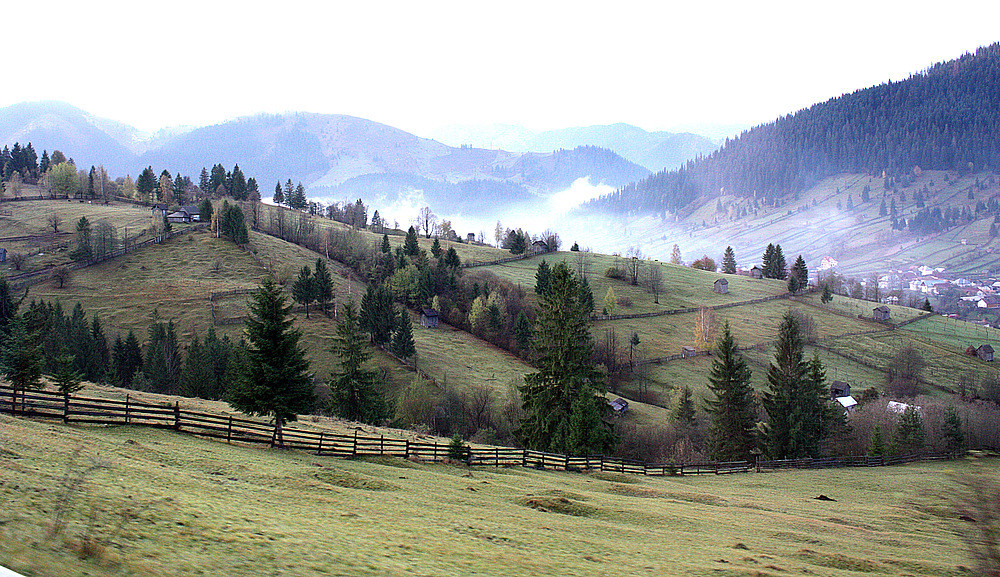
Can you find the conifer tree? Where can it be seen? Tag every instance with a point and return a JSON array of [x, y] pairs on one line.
[[827, 296], [451, 259], [162, 363], [927, 306], [876, 448], [279, 196], [275, 381], [562, 401], [196, 376], [100, 355], [303, 290], [410, 246], [65, 378], [729, 261], [951, 430], [436, 248], [522, 331], [354, 393], [377, 314], [767, 261], [322, 284], [205, 210], [780, 267], [402, 340], [800, 270], [21, 357], [683, 413], [542, 278], [795, 398], [733, 408], [385, 247], [909, 434], [793, 284], [204, 183]]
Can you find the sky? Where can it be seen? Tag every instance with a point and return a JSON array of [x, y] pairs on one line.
[[421, 66]]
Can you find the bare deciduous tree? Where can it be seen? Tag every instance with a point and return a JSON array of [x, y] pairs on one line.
[[904, 371], [427, 221], [17, 260], [633, 264], [54, 220], [654, 279], [61, 275]]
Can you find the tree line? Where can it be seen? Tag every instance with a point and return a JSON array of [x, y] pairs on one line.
[[944, 118]]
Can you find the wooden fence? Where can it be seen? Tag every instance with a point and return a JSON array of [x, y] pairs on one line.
[[90, 410], [691, 309], [525, 255]]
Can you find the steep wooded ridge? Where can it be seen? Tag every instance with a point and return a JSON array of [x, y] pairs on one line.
[[944, 118]]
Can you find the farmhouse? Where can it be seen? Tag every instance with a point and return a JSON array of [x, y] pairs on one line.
[[985, 352], [619, 406], [158, 210], [539, 246], [429, 318], [721, 286], [839, 389], [881, 313], [757, 272], [688, 351]]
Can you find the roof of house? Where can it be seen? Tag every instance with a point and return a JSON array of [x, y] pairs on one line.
[[687, 348], [430, 313], [847, 402], [159, 206], [756, 267], [722, 280], [192, 210], [882, 309], [985, 348], [540, 243], [178, 214], [619, 404]]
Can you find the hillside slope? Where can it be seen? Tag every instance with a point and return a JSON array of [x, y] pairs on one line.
[[204, 506]]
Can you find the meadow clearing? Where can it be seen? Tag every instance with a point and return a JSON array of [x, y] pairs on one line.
[[200, 507]]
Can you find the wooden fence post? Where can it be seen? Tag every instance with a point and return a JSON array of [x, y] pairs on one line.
[[127, 399], [229, 431], [13, 400], [177, 415], [354, 448], [66, 408], [319, 451], [381, 445], [406, 448]]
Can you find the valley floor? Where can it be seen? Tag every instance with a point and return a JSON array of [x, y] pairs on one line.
[[196, 507]]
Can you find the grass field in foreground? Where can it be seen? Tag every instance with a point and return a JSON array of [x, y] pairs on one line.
[[217, 509]]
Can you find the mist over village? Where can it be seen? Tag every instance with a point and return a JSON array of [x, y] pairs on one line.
[[534, 289]]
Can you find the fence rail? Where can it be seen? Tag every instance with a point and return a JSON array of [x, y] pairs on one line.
[[694, 309], [91, 410]]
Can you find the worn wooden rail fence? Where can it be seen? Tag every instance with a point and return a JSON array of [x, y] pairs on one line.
[[693, 309], [91, 410]]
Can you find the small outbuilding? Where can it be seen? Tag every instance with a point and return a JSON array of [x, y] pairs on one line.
[[178, 217], [539, 246], [619, 406], [429, 318], [985, 352], [757, 272], [881, 313], [3, 255], [839, 389], [688, 351], [470, 238], [721, 286], [847, 403], [194, 215]]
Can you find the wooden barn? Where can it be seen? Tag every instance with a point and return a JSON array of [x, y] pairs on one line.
[[688, 351], [429, 318], [839, 389], [985, 352], [721, 286], [881, 313], [619, 406], [757, 272]]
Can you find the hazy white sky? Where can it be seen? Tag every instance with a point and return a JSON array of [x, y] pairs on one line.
[[424, 65]]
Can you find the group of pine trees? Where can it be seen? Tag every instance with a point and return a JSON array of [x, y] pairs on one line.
[[313, 286], [944, 118], [799, 417], [292, 196]]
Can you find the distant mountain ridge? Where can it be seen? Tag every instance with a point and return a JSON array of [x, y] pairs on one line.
[[945, 118], [652, 150], [323, 151]]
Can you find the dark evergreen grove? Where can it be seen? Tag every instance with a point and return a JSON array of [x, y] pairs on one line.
[[563, 406], [944, 118], [733, 408]]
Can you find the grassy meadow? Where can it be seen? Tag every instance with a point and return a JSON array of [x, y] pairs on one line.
[[200, 507]]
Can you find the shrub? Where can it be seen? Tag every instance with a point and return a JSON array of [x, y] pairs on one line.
[[615, 272], [457, 450]]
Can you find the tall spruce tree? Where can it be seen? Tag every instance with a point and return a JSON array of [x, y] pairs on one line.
[[801, 272], [780, 267], [402, 340], [733, 409], [729, 261], [543, 278], [322, 284], [354, 390], [21, 357], [163, 361], [279, 196], [303, 289], [378, 314], [767, 261], [275, 382], [410, 246], [795, 400], [562, 401]]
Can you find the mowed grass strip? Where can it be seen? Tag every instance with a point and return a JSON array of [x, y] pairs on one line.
[[204, 507]]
